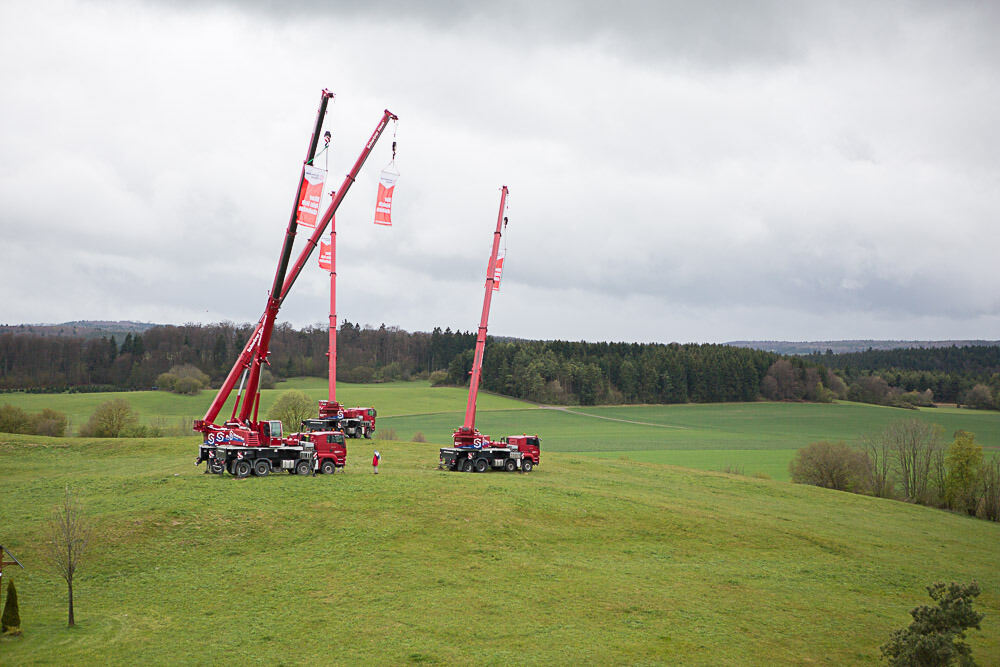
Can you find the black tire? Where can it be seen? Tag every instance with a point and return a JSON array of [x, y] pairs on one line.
[[526, 465], [465, 465], [368, 434], [481, 465], [216, 468], [303, 467], [261, 467], [241, 469], [328, 467], [510, 465]]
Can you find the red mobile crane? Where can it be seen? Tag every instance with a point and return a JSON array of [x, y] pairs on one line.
[[473, 451], [243, 445]]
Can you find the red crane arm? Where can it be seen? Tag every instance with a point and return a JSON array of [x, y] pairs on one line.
[[255, 352], [477, 362]]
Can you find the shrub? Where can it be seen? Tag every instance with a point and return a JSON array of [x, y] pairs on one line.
[[166, 381], [832, 465], [187, 386], [936, 633], [183, 379], [419, 437], [266, 379], [386, 434], [111, 419], [48, 422], [10, 622], [439, 378], [291, 408], [979, 397], [963, 461], [12, 419]]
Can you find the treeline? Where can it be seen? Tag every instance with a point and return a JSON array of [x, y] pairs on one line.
[[364, 354], [602, 373], [950, 373]]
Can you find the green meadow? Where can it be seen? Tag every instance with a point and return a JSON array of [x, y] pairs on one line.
[[582, 560], [756, 438]]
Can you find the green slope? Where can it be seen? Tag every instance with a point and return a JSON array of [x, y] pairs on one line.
[[581, 560]]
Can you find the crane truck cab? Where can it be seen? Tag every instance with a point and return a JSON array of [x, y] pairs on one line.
[[475, 452]]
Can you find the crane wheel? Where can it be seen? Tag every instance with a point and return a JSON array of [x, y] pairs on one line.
[[465, 466], [302, 467], [261, 467], [526, 465], [510, 465], [328, 467], [482, 465], [241, 469]]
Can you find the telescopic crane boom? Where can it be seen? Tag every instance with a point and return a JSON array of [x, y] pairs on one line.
[[471, 450], [254, 355]]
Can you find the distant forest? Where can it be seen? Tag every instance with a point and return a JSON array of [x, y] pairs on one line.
[[545, 371]]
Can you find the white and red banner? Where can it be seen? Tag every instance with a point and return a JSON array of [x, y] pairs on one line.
[[497, 272], [383, 207], [326, 256], [310, 195]]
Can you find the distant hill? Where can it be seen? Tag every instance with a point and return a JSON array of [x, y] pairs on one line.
[[844, 346], [79, 329]]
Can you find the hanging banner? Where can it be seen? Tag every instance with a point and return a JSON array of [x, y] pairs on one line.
[[383, 207], [326, 256], [497, 272], [310, 195]]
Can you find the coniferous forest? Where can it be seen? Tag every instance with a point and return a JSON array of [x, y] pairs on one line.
[[561, 372]]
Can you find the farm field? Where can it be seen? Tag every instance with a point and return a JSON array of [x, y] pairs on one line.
[[757, 438], [623, 562]]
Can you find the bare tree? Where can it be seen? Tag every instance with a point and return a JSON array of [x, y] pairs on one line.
[[880, 459], [915, 445], [69, 533]]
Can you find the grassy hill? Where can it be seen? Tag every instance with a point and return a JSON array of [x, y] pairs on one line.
[[606, 561]]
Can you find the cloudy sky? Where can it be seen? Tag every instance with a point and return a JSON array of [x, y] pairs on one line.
[[678, 171]]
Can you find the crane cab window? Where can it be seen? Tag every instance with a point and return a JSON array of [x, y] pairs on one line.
[[275, 428]]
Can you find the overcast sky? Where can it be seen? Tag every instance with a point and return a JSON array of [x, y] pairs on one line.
[[678, 171]]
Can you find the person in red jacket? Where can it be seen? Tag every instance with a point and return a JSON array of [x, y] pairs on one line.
[[375, 461]]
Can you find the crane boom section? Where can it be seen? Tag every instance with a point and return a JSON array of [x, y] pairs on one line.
[[254, 354], [477, 361]]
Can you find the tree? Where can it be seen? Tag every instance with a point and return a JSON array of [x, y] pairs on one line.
[[291, 408], [13, 419], [914, 444], [111, 419], [936, 633], [879, 450], [980, 397], [963, 462], [69, 535], [832, 465], [10, 622]]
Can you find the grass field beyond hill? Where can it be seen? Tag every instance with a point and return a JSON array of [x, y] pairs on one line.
[[757, 438], [580, 561]]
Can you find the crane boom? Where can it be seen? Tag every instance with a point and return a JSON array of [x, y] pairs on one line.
[[477, 361], [254, 355]]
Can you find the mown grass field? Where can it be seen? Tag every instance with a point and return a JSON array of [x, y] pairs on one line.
[[622, 562]]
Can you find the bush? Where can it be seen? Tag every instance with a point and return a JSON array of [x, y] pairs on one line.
[[266, 379], [10, 622], [980, 397], [111, 419], [386, 434], [419, 437], [188, 386], [291, 408], [48, 422], [13, 419], [183, 379], [439, 378], [934, 637], [832, 465]]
